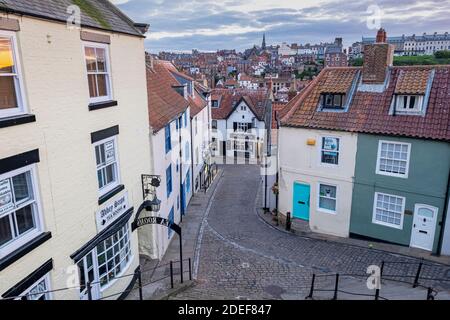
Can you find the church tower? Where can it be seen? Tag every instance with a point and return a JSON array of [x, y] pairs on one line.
[[263, 46]]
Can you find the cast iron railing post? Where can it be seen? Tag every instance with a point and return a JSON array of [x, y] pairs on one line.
[[416, 279], [430, 294], [381, 270], [311, 291], [89, 292], [288, 221], [171, 274], [139, 276], [336, 286], [377, 294], [181, 258], [190, 270]]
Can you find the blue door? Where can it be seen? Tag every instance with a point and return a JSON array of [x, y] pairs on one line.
[[301, 201], [183, 199]]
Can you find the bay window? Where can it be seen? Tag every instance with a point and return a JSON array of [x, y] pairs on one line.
[[98, 72], [11, 97], [38, 291], [20, 218]]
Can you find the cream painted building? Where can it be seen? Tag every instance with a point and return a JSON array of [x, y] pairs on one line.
[[319, 163], [74, 143]]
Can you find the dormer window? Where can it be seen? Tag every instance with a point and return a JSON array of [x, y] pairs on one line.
[[332, 101], [409, 104], [214, 103]]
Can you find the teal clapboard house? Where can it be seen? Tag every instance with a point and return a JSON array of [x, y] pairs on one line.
[[398, 152]]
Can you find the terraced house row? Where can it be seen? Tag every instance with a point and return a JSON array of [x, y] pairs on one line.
[[365, 152], [79, 126]]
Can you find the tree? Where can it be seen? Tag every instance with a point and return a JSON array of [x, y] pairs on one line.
[[444, 54]]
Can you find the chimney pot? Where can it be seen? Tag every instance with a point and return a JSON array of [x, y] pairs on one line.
[[381, 36], [377, 58]]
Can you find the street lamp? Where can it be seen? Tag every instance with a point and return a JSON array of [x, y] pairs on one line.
[[149, 185]]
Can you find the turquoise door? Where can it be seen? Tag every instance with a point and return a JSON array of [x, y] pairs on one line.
[[301, 201]]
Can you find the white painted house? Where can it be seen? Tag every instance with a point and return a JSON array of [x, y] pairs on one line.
[[239, 118], [73, 146], [169, 117]]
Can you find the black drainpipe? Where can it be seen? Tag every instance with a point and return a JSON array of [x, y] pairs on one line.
[[192, 157], [444, 217]]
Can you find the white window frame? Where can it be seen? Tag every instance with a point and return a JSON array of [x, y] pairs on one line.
[[417, 106], [47, 292], [242, 127], [20, 92], [125, 268], [324, 164], [319, 196], [111, 186], [31, 234], [386, 224], [392, 174], [109, 86]]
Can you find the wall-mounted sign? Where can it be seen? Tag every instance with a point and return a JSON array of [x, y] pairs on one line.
[[111, 211], [6, 200]]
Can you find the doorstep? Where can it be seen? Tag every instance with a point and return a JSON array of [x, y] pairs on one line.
[[301, 228]]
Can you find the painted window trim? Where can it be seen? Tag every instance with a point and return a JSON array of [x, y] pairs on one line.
[[329, 165], [397, 175], [39, 217], [103, 191], [374, 221], [48, 293], [20, 92], [167, 138], [169, 193], [110, 95], [318, 198]]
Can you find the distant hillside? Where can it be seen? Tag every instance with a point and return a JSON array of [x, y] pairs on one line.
[[440, 57]]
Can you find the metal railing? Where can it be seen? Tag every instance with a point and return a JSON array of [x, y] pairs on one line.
[[414, 279], [138, 285]]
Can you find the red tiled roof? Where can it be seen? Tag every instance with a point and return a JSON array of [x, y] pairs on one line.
[[368, 112], [197, 104], [412, 81], [255, 99], [277, 107], [164, 103]]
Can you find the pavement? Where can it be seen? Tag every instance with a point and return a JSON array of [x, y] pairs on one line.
[[237, 253]]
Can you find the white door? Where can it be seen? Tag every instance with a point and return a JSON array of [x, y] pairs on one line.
[[424, 225], [88, 273]]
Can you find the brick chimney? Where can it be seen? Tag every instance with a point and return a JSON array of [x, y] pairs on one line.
[[377, 58]]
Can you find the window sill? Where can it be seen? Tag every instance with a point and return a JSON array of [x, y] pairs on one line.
[[17, 120], [102, 105], [110, 194], [23, 250]]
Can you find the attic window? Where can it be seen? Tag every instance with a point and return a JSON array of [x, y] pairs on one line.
[[409, 104], [332, 101], [215, 104]]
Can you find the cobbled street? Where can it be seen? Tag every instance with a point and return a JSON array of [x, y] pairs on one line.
[[242, 257]]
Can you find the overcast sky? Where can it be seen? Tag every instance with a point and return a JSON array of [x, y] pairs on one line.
[[208, 25]]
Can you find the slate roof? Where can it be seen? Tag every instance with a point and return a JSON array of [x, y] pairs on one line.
[[164, 103], [255, 99], [98, 14], [368, 112]]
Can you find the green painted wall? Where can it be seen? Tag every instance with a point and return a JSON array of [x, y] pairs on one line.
[[426, 184]]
